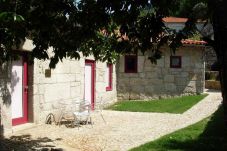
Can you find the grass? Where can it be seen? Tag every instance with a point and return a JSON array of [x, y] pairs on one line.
[[209, 134], [173, 105]]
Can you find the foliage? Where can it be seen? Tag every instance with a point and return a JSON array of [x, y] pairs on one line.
[[195, 36], [212, 75], [186, 7], [206, 135], [101, 28], [107, 29], [173, 105]]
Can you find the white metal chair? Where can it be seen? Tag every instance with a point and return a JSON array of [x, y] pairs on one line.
[[65, 114], [99, 107], [83, 114]]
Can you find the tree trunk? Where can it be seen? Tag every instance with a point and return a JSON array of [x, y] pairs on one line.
[[220, 37]]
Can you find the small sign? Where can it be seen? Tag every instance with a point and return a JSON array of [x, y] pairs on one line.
[[47, 73]]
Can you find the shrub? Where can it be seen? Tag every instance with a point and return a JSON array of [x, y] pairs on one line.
[[212, 75]]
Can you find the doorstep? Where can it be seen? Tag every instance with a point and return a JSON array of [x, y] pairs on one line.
[[23, 127]]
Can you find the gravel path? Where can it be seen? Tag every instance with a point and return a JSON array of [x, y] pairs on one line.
[[123, 130]]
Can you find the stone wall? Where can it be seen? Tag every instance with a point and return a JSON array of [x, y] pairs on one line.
[[210, 57], [211, 84], [158, 81], [180, 25], [64, 85], [5, 99], [49, 89]]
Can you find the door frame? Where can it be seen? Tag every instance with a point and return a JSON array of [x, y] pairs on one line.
[[92, 63], [24, 119]]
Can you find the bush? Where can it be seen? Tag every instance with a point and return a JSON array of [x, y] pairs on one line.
[[212, 75]]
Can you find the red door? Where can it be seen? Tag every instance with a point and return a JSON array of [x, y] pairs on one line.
[[19, 91], [89, 82]]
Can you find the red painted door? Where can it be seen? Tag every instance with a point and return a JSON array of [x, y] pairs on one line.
[[89, 82], [19, 91]]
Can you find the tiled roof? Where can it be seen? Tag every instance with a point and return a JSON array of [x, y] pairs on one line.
[[178, 20], [193, 42], [174, 20]]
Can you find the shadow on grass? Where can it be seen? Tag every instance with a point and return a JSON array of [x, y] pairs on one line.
[[213, 137], [26, 143], [209, 134]]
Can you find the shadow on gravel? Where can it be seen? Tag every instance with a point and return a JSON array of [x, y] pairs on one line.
[[213, 90], [26, 143]]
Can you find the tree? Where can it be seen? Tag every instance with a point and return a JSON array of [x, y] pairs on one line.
[[211, 11], [71, 27], [219, 22], [186, 6], [103, 28]]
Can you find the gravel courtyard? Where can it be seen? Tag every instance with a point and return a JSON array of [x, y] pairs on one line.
[[122, 130]]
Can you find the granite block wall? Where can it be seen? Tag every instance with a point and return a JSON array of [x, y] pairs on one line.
[[160, 81], [65, 85]]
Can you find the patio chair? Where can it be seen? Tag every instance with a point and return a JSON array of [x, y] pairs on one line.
[[99, 107], [82, 115], [65, 115]]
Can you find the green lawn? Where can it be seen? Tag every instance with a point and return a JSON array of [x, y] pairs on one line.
[[209, 134], [173, 105]]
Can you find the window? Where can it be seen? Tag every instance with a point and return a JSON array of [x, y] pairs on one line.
[[109, 70], [131, 64], [175, 61]]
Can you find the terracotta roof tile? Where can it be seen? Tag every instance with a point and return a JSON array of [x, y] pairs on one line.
[[178, 20], [193, 42], [174, 20]]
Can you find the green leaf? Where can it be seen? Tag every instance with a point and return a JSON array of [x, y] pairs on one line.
[[10, 16], [19, 18], [5, 16]]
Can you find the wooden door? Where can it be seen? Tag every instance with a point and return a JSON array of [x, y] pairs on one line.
[[19, 91], [89, 82]]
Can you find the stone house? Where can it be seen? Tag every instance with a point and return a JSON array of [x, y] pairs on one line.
[[176, 74], [28, 93], [177, 24]]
